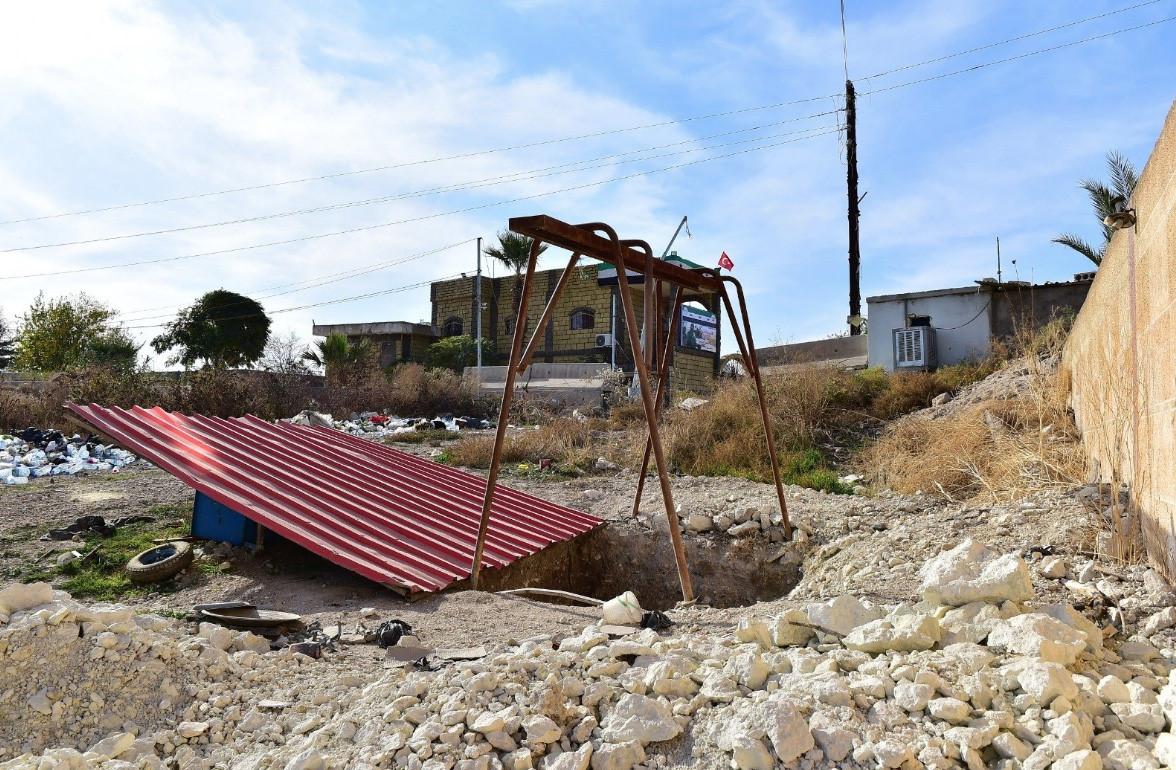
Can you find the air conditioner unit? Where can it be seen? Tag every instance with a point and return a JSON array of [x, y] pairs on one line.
[[604, 340], [914, 348]]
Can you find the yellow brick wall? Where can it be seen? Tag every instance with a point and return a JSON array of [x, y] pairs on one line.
[[692, 372], [1121, 356]]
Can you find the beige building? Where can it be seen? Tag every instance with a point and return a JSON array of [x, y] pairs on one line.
[[582, 322]]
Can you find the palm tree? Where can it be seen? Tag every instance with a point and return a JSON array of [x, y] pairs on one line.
[[514, 251], [341, 359], [1106, 201]]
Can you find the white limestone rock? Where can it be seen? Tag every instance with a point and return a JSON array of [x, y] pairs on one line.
[[569, 760], [1046, 680], [902, 633], [700, 523], [307, 760], [948, 709], [970, 623], [1161, 621], [785, 727], [911, 696], [1053, 567], [892, 753], [617, 756], [113, 745], [1039, 635], [638, 718], [843, 614], [750, 630], [24, 596], [831, 737], [1165, 749], [750, 754], [1079, 760], [1144, 717], [1111, 689], [786, 632], [1120, 754], [541, 729], [971, 572]]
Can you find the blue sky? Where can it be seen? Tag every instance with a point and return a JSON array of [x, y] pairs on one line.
[[110, 103]]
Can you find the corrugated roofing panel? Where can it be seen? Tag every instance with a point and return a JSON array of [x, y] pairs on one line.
[[388, 515]]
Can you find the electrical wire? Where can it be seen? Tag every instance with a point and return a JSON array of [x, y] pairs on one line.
[[520, 176], [1003, 42], [597, 134], [311, 283], [336, 301], [1017, 57], [421, 218], [408, 164]]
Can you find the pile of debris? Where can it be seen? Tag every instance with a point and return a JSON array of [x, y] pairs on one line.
[[970, 676], [378, 426], [34, 453]]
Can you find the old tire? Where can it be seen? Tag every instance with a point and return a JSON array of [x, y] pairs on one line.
[[159, 562]]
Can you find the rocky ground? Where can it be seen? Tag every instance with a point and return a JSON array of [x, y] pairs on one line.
[[914, 633]]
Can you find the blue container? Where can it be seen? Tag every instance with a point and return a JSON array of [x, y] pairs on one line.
[[213, 521]]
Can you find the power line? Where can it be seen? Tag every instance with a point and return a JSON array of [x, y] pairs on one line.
[[1002, 42], [519, 176], [409, 164], [337, 301], [844, 42], [424, 217], [311, 283], [1018, 56]]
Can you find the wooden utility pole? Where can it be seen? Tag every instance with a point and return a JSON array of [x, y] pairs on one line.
[[851, 175]]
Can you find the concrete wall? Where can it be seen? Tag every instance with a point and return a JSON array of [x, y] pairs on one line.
[[1121, 356], [1013, 307], [839, 351], [960, 319]]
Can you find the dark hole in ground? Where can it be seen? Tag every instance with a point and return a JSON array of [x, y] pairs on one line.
[[724, 571]]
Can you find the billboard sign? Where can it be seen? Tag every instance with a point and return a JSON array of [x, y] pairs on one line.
[[698, 330]]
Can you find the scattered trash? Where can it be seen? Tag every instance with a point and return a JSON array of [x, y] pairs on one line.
[[390, 632], [462, 653], [34, 453], [377, 426], [95, 525], [623, 610], [250, 617], [692, 403], [160, 562], [656, 620], [311, 649], [67, 557]]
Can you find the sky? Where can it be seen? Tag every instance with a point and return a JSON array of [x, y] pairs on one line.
[[307, 154]]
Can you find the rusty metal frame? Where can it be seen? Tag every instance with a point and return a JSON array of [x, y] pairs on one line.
[[599, 241]]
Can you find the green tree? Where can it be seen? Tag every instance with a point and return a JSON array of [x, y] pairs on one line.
[[7, 342], [456, 353], [70, 332], [514, 251], [343, 361], [1106, 200], [222, 329]]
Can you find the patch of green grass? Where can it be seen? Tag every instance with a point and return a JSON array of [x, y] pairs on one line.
[[182, 510], [103, 576]]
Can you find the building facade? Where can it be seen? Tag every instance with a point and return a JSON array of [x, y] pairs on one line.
[[397, 342], [966, 320], [582, 322]]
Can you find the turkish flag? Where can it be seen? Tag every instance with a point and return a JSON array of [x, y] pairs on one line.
[[725, 262]]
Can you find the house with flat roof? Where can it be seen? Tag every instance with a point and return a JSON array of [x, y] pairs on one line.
[[397, 342], [925, 329]]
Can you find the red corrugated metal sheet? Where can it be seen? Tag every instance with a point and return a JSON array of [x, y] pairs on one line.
[[392, 517]]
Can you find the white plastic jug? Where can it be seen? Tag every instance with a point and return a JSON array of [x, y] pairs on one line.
[[623, 610]]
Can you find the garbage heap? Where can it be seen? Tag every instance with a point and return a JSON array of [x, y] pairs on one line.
[[34, 453], [970, 676]]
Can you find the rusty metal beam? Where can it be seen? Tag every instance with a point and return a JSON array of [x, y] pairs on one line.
[[516, 349], [663, 376], [584, 239], [663, 472], [749, 358]]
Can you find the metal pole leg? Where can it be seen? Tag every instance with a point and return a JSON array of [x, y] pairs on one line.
[[516, 350]]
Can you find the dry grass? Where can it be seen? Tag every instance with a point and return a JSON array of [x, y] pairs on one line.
[[567, 441], [408, 390], [1003, 448]]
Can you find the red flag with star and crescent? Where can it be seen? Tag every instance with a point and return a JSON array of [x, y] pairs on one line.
[[725, 262]]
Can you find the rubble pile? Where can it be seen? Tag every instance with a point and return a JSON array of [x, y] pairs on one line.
[[35, 453], [973, 675], [378, 426]]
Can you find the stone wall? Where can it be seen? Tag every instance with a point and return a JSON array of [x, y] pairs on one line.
[[1121, 356]]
